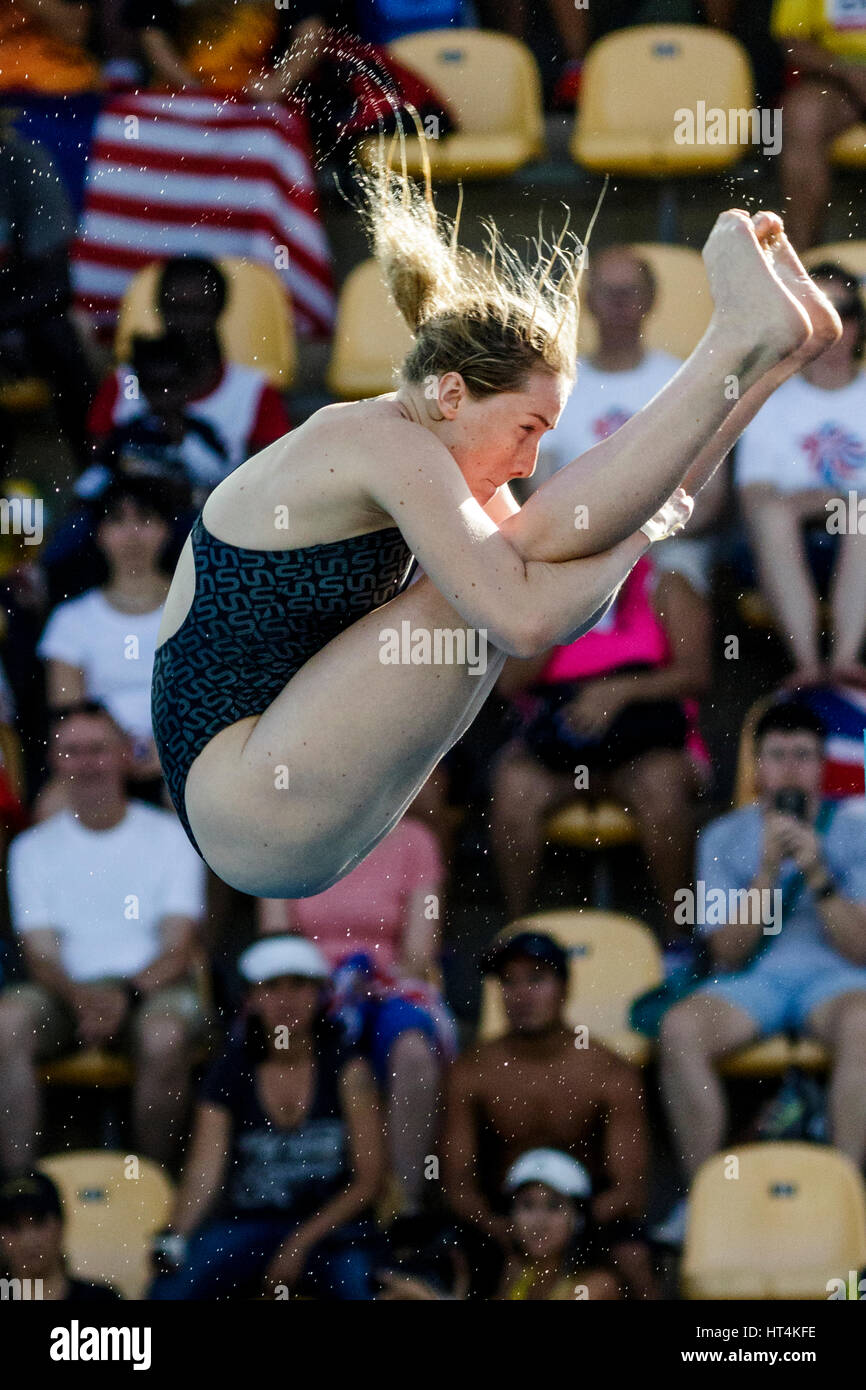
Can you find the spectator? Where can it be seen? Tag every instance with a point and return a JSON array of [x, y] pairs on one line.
[[621, 377], [551, 1256], [43, 47], [179, 399], [37, 334], [802, 454], [32, 1246], [613, 713], [548, 1193], [379, 929], [533, 1088], [105, 898], [72, 562], [251, 47], [285, 1158], [100, 646], [799, 967], [825, 47]]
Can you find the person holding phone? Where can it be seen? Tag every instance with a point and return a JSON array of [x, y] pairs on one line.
[[800, 969]]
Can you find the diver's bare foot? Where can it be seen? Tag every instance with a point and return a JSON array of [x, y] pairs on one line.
[[755, 311], [825, 321]]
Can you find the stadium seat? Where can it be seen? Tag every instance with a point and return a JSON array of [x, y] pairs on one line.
[[490, 83], [92, 1068], [370, 338], [113, 1204], [614, 959], [850, 254], [25, 395], [791, 1220], [683, 305], [774, 1056], [596, 828], [634, 83], [256, 328], [745, 787], [587, 825], [848, 150]]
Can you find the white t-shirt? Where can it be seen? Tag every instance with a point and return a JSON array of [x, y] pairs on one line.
[[115, 651], [807, 437], [105, 892], [599, 404]]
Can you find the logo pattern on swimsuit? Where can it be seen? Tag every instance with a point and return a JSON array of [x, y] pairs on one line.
[[256, 618]]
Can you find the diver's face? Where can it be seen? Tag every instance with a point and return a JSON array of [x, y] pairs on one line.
[[496, 439]]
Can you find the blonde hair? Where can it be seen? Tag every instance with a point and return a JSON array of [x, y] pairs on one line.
[[491, 319]]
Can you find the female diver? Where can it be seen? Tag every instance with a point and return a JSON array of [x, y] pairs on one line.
[[290, 739]]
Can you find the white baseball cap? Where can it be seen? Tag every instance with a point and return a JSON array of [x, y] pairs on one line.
[[274, 956], [552, 1167]]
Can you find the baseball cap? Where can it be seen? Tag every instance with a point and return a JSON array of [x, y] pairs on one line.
[[274, 956], [534, 945], [33, 1194], [552, 1167]]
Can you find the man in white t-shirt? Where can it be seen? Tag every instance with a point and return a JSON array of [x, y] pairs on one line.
[[800, 472], [105, 898], [617, 381]]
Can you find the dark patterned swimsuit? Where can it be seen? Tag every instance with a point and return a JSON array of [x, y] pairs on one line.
[[256, 617]]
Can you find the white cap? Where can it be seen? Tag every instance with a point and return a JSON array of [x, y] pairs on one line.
[[274, 956], [552, 1167]]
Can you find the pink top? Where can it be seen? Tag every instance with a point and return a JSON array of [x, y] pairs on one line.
[[367, 910], [630, 634]]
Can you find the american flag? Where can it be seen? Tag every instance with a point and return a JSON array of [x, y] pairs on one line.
[[196, 175]]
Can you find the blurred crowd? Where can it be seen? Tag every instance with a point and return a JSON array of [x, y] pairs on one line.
[[333, 1124]]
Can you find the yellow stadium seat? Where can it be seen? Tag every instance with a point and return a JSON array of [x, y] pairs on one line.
[[683, 305], [490, 83], [113, 1204], [745, 786], [371, 338], [90, 1068], [15, 544], [636, 81], [595, 828], [773, 1056], [613, 959], [849, 149], [256, 327], [24, 395], [851, 255], [781, 1224], [588, 825]]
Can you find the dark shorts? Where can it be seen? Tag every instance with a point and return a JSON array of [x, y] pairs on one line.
[[639, 728]]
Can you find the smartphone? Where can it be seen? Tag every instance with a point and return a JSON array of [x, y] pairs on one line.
[[791, 802]]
